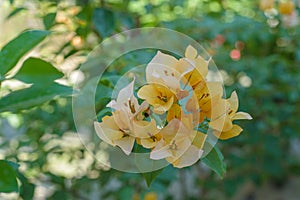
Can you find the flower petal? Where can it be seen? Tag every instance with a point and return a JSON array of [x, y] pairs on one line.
[[199, 140], [160, 151], [126, 144], [235, 131], [190, 157], [191, 52], [174, 112], [223, 123], [241, 115], [234, 102], [106, 134], [125, 94]]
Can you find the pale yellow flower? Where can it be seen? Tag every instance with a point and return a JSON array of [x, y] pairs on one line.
[[176, 145], [167, 71], [162, 70], [128, 103], [205, 99], [147, 133], [223, 123], [121, 128], [196, 67], [112, 134], [174, 112], [159, 96]]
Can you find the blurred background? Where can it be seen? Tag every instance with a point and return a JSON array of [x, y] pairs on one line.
[[254, 43]]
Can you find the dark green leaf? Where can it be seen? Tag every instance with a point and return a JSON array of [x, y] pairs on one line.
[[215, 160], [103, 21], [150, 169], [27, 188], [35, 70], [150, 176], [31, 97], [8, 178], [18, 47], [103, 91], [15, 11], [49, 20]]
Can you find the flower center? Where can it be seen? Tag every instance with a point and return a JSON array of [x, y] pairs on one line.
[[162, 98]]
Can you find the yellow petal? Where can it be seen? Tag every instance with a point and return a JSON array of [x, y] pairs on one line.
[[148, 142], [160, 97], [218, 109], [235, 131], [174, 112], [190, 157], [144, 129], [122, 119], [192, 78], [107, 130], [125, 93], [223, 123], [192, 104], [160, 151], [162, 70], [199, 140], [241, 115], [183, 67], [190, 121], [202, 65], [126, 144], [191, 52], [182, 145], [234, 102], [164, 107], [170, 131], [148, 93]]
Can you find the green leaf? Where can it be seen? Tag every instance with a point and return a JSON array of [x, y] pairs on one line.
[[149, 169], [27, 188], [31, 97], [103, 91], [215, 160], [35, 70], [18, 47], [150, 176], [104, 22], [15, 11], [8, 178], [49, 20]]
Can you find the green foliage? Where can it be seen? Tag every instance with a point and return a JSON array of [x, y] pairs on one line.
[[49, 20], [8, 178], [103, 20], [31, 97], [215, 160], [38, 72], [266, 151], [18, 47]]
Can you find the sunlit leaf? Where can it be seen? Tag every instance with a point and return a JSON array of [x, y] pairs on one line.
[[31, 97], [18, 47], [15, 11], [35, 70]]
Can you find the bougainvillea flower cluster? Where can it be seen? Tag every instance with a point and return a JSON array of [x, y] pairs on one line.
[[168, 113]]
